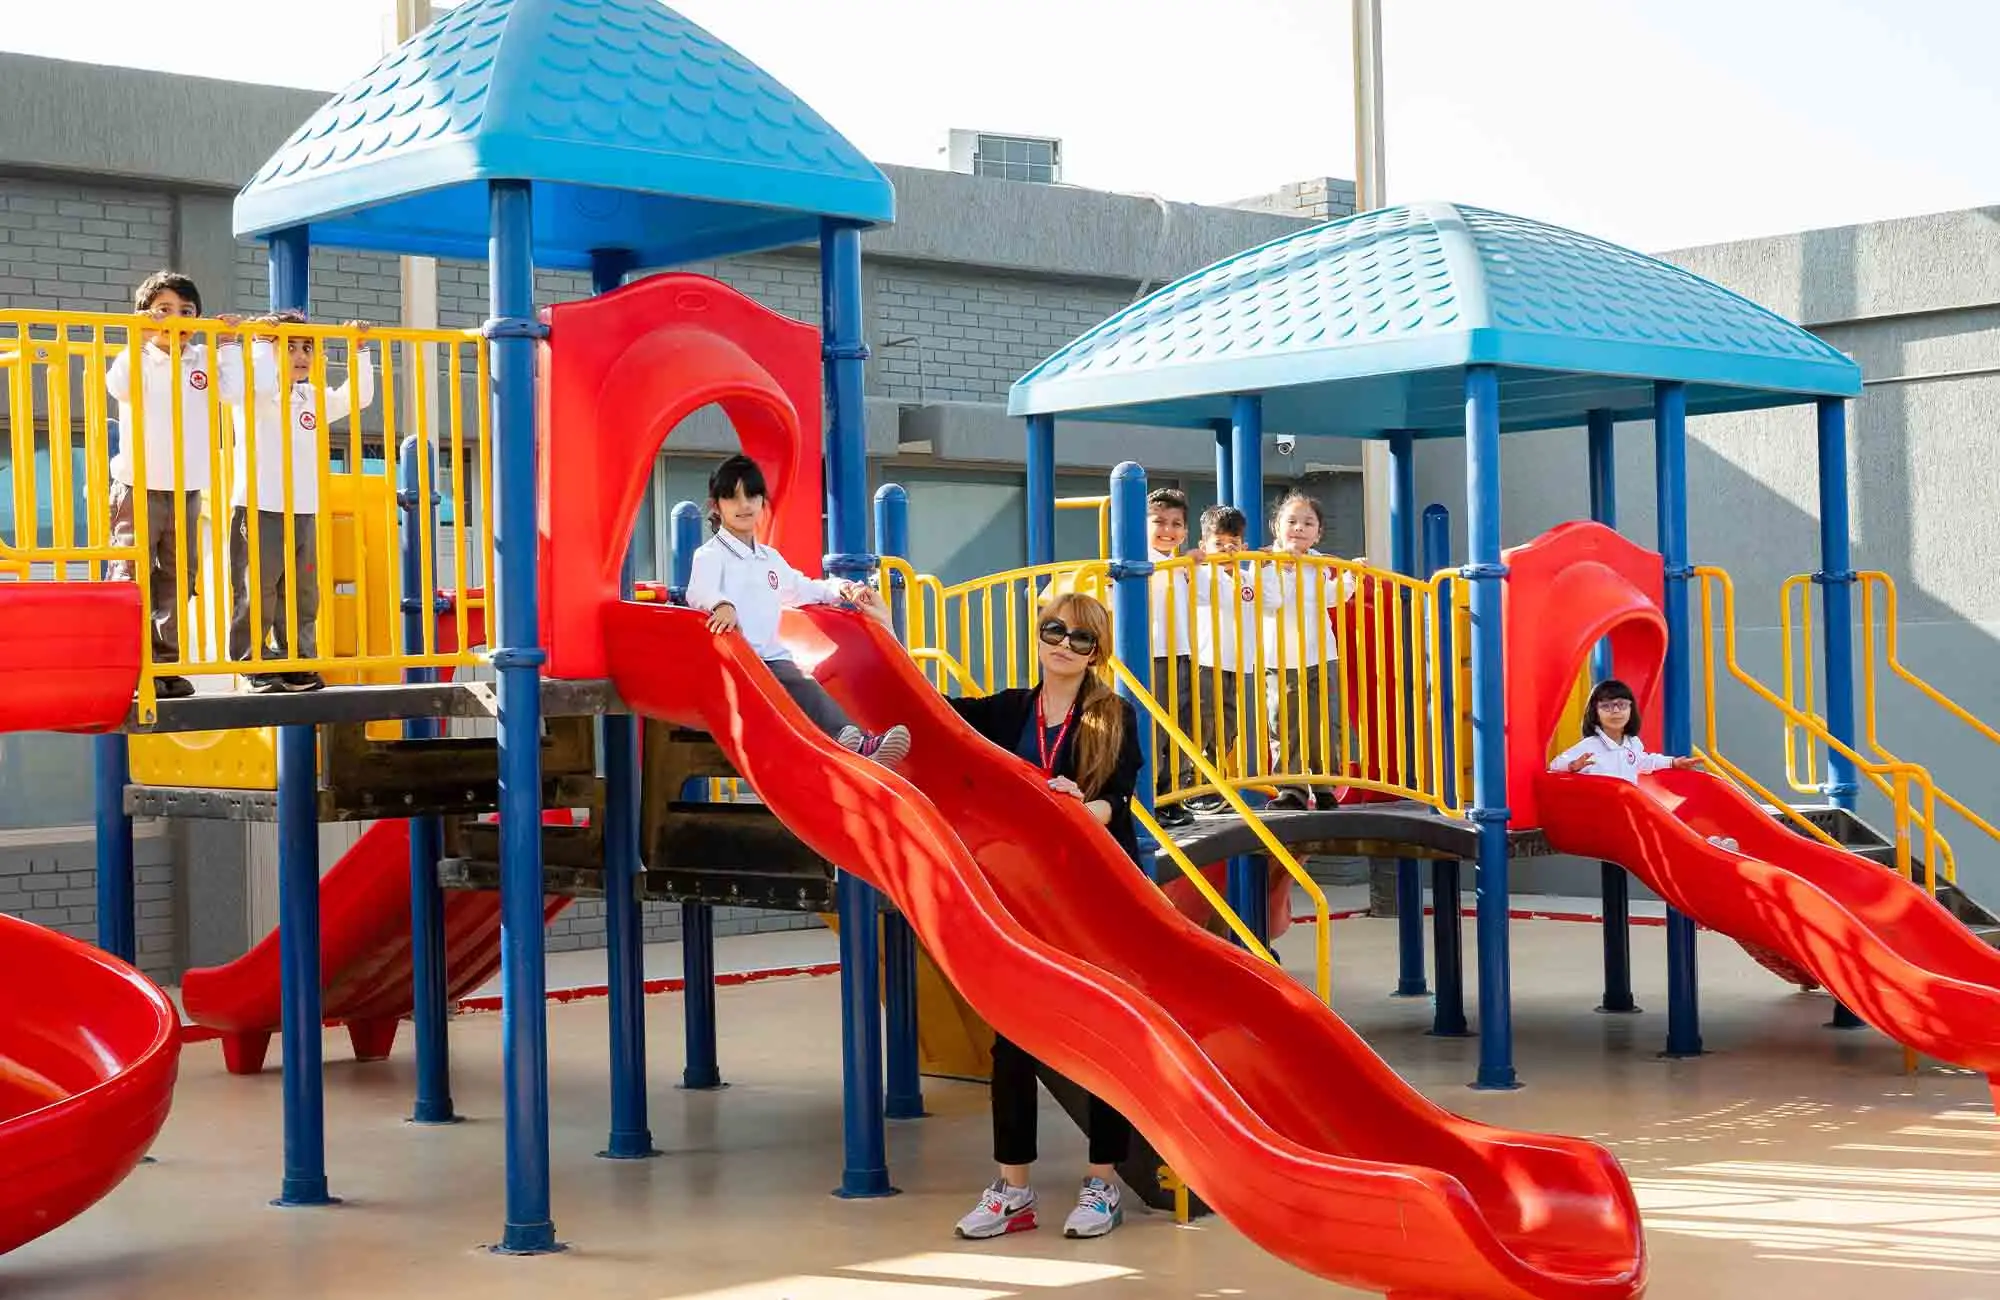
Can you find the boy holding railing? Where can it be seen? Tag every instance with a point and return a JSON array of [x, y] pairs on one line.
[[273, 420], [1172, 615], [206, 377], [1229, 603]]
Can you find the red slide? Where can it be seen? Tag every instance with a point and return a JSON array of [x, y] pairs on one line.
[[364, 956], [1271, 1108], [1879, 943], [89, 1049]]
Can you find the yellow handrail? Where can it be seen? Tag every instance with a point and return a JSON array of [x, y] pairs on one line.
[[1102, 505], [1893, 779]]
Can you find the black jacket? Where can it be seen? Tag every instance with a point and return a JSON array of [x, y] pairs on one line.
[[1003, 718]]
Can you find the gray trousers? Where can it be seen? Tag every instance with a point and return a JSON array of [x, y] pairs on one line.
[[1182, 704], [1297, 690], [275, 587], [810, 696], [169, 543]]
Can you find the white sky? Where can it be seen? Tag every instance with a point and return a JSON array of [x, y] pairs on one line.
[[1655, 123]]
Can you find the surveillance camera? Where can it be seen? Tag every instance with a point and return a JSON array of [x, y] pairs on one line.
[[1287, 444]]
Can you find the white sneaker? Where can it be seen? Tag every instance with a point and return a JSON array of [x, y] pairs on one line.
[[1099, 1209], [851, 738], [1726, 844], [1001, 1210]]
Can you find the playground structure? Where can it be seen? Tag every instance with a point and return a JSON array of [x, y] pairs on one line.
[[1450, 687]]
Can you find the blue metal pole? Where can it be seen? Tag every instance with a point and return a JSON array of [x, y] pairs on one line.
[[631, 1136], [1447, 930], [700, 1070], [517, 655], [428, 1014], [1249, 875], [865, 1171], [1670, 475], [1615, 884], [1485, 572], [1131, 580], [1836, 582], [1403, 558], [117, 923], [904, 1098], [298, 874], [1041, 465], [1225, 464]]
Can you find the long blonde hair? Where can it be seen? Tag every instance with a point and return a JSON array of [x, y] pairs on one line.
[[1100, 730]]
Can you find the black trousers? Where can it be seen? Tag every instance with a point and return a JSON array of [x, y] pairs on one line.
[[1015, 1101]]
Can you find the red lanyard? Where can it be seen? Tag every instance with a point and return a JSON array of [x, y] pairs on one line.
[[1047, 751]]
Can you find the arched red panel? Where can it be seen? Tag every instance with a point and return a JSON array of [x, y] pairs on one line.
[[618, 372], [1565, 590]]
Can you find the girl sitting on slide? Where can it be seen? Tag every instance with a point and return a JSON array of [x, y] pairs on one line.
[[1611, 745]]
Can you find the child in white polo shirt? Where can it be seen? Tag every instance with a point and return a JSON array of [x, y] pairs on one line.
[[274, 421], [745, 585]]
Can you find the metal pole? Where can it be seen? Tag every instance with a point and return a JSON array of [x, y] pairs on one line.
[[117, 911], [1836, 582], [1485, 572], [1041, 465], [298, 873], [517, 656], [904, 1096], [1225, 464], [1371, 191], [1131, 580], [631, 1136], [1248, 880], [428, 1011], [1447, 930], [700, 1070], [1615, 884], [1403, 559], [865, 1143], [1670, 475]]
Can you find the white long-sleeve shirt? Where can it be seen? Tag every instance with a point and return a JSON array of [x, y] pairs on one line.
[[199, 379], [356, 394], [1283, 644], [759, 582], [1170, 588], [1228, 607], [1625, 761]]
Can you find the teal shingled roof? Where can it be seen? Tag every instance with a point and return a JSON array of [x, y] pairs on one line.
[[1365, 325], [640, 130]]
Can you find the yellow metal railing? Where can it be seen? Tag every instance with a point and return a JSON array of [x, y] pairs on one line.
[[1102, 505], [1899, 781], [75, 406]]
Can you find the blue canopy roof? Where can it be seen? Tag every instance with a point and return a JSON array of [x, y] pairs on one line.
[[640, 130], [1364, 326]]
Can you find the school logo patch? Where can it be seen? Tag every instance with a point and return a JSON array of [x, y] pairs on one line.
[[197, 379], [771, 576], [1249, 595], [308, 421]]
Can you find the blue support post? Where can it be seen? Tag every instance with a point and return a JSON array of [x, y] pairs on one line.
[[1225, 464], [1616, 885], [865, 1171], [117, 914], [700, 1070], [1249, 875], [1041, 466], [1131, 584], [631, 1136], [1403, 559], [904, 1097], [1485, 572], [298, 875], [517, 655], [1447, 931], [1670, 475], [1836, 582], [428, 1010]]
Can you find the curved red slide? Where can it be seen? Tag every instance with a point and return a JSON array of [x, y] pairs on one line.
[[1274, 1111], [365, 956], [89, 1049], [1879, 943]]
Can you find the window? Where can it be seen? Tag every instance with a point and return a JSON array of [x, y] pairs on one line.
[[1017, 158]]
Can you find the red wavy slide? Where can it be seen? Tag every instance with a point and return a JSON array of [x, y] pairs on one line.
[[89, 1049], [365, 956], [1879, 943], [1270, 1107]]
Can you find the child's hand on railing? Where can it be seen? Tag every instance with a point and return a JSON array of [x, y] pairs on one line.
[[722, 618], [232, 320]]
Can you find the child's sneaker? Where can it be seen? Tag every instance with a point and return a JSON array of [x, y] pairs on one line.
[[1001, 1210], [265, 684], [1099, 1209], [889, 748], [304, 682]]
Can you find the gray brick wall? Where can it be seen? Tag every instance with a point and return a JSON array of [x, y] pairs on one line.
[[971, 335], [54, 883], [79, 247], [582, 924]]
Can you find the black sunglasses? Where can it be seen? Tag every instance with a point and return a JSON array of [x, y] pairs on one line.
[[1081, 640]]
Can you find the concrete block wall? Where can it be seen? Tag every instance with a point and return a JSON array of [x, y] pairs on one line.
[[51, 879], [82, 245]]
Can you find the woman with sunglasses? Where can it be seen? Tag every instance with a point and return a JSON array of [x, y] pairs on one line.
[[1085, 739]]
